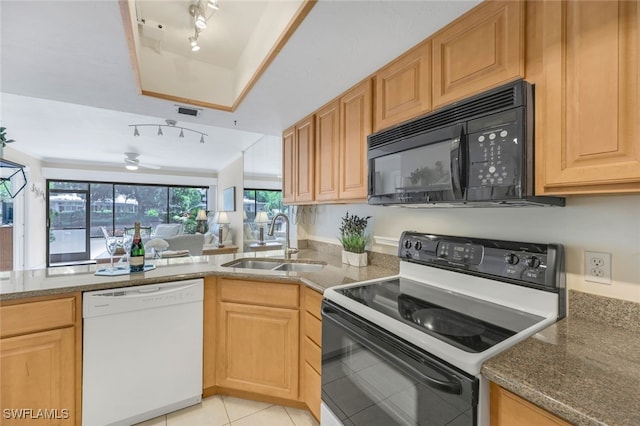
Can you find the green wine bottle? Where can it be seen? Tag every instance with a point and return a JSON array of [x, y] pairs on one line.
[[136, 256]]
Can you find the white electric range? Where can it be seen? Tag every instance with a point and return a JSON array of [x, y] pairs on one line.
[[408, 349]]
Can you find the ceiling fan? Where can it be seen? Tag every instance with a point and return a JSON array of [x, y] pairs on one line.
[[132, 162]]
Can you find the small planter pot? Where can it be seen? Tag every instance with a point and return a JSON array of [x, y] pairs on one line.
[[354, 259]]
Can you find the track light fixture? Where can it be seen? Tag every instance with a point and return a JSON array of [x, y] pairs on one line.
[[193, 41], [171, 124], [197, 11]]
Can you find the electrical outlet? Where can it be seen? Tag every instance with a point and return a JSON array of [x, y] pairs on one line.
[[597, 267]]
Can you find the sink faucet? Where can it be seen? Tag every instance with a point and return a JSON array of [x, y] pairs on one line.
[[287, 251]]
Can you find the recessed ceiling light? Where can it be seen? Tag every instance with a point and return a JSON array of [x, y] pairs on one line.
[[131, 167]]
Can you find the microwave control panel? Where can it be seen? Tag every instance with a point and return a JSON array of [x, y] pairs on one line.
[[495, 156]]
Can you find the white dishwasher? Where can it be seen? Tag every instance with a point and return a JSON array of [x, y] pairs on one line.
[[142, 352]]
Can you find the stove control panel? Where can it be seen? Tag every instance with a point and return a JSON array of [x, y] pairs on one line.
[[526, 263]]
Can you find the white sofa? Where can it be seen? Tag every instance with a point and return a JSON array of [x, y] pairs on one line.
[[177, 241]]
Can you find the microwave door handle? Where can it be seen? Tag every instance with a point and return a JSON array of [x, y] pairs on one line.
[[457, 175], [452, 386]]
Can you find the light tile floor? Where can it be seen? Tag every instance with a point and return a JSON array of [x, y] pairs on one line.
[[221, 410]]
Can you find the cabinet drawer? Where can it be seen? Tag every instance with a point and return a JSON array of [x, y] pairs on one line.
[[259, 293], [312, 390], [31, 317], [313, 328], [313, 302], [313, 354]]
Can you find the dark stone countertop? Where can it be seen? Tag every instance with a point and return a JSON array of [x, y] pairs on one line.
[[581, 369], [65, 279]]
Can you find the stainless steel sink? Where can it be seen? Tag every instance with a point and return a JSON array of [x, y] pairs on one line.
[[300, 267], [275, 265], [253, 264]]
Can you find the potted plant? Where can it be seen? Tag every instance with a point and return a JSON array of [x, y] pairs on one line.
[[354, 240], [3, 140]]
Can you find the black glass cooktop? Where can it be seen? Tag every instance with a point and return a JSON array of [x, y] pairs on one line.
[[467, 323]]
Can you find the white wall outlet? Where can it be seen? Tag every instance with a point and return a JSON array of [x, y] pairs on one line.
[[597, 267]]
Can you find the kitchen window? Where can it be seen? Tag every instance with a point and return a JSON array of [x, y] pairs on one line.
[[77, 210]]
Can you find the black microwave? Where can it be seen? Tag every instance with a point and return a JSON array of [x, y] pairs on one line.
[[478, 152]]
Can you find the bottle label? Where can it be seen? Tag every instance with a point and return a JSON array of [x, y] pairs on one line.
[[136, 261]]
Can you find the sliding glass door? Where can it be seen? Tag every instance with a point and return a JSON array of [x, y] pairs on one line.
[[68, 224]]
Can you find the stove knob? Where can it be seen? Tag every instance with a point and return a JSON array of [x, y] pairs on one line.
[[533, 262], [408, 255], [418, 245], [407, 244], [511, 259]]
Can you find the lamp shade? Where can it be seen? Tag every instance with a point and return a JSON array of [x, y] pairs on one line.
[[202, 215], [222, 218], [262, 217]]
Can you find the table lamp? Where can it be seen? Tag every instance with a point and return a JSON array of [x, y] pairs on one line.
[[201, 219], [221, 220], [261, 219]]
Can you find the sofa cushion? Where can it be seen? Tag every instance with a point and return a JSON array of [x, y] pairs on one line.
[[164, 230]]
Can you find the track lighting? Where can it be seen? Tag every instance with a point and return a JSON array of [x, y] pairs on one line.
[[171, 124], [193, 41], [201, 22], [197, 11]]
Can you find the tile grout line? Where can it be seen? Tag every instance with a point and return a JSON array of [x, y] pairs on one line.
[[289, 414], [240, 418], [225, 410]]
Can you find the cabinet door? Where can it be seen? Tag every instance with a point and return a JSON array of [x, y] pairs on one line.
[[39, 372], [403, 88], [259, 349], [482, 49], [587, 128], [209, 334], [305, 163], [355, 126], [327, 152], [288, 166], [509, 409]]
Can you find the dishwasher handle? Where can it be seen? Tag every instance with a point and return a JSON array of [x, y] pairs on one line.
[[119, 300]]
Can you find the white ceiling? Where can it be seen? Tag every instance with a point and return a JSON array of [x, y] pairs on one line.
[[69, 90]]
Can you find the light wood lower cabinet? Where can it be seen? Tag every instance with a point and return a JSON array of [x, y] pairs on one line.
[[41, 361], [258, 345], [209, 330], [509, 409], [312, 337]]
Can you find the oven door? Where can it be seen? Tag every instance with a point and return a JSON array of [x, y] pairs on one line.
[[371, 377], [423, 168]]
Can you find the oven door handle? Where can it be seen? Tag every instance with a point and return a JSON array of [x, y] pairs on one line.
[[452, 386]]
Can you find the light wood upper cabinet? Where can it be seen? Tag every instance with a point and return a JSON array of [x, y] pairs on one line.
[[403, 88], [41, 358], [355, 126], [587, 91], [298, 162], [288, 165], [482, 49], [509, 409], [327, 152], [342, 127]]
